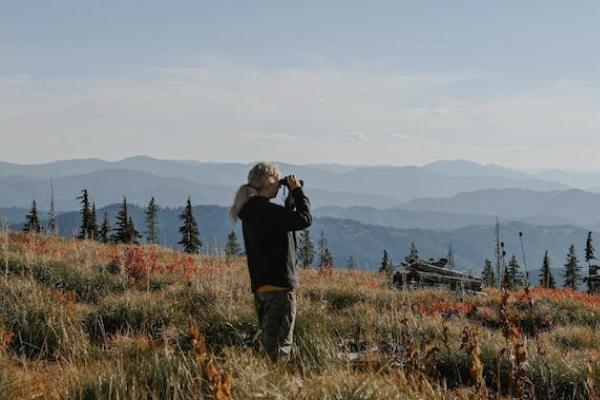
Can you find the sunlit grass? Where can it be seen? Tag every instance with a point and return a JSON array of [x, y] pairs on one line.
[[79, 319]]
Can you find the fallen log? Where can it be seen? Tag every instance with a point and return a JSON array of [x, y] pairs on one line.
[[422, 267], [429, 279]]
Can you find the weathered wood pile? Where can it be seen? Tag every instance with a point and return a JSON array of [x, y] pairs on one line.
[[421, 273]]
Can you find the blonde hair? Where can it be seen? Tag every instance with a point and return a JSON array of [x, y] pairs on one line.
[[257, 177]]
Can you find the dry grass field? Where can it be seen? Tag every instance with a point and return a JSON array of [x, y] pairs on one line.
[[83, 320]]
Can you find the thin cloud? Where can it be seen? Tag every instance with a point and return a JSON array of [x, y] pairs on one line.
[[426, 111], [401, 137], [218, 110], [356, 136], [270, 136]]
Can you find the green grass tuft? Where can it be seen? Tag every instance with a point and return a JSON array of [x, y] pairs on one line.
[[132, 312], [45, 325]]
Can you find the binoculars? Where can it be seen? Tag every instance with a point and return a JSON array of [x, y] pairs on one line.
[[283, 182]]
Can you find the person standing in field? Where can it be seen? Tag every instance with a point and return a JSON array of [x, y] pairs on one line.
[[270, 243]]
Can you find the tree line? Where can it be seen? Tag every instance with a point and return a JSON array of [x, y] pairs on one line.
[[307, 253], [509, 274], [124, 230]]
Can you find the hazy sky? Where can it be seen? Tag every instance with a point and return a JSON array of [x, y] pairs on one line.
[[513, 83]]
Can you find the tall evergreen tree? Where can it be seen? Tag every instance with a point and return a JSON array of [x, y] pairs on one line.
[[32, 220], [232, 247], [85, 213], [86, 230], [450, 263], [387, 268], [572, 270], [306, 249], [589, 249], [413, 254], [52, 218], [487, 275], [121, 232], [152, 222], [94, 223], [515, 276], [104, 229], [386, 263], [132, 234], [325, 256], [190, 239], [546, 278], [592, 279]]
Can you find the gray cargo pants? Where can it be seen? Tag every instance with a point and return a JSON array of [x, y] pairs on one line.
[[276, 313]]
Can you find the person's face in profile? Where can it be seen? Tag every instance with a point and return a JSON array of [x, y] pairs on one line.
[[271, 187]]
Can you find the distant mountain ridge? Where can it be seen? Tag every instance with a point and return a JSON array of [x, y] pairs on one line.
[[575, 205], [383, 186], [108, 186], [583, 180], [426, 219], [469, 168]]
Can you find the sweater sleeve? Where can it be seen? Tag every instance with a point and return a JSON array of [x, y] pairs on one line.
[[292, 219]]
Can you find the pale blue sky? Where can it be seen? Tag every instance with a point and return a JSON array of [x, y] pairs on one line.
[[514, 83]]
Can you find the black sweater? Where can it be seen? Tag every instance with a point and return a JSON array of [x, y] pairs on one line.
[[270, 241]]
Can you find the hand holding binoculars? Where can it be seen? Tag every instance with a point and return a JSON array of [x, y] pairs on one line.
[[284, 181]]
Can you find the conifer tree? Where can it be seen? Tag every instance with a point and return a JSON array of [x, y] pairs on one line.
[[515, 277], [487, 275], [189, 230], [413, 254], [85, 227], [386, 263], [151, 222], [592, 279], [32, 220], [589, 249], [52, 218], [93, 223], [104, 229], [450, 263], [121, 232], [546, 278], [306, 249], [386, 267], [572, 274], [232, 247], [325, 256], [133, 235]]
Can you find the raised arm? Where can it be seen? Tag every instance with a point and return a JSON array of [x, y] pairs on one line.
[[291, 219]]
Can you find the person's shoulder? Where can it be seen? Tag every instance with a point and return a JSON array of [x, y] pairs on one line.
[[265, 207], [258, 200], [252, 204]]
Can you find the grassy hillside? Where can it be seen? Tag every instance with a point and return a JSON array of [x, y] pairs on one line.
[[82, 320], [366, 242]]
